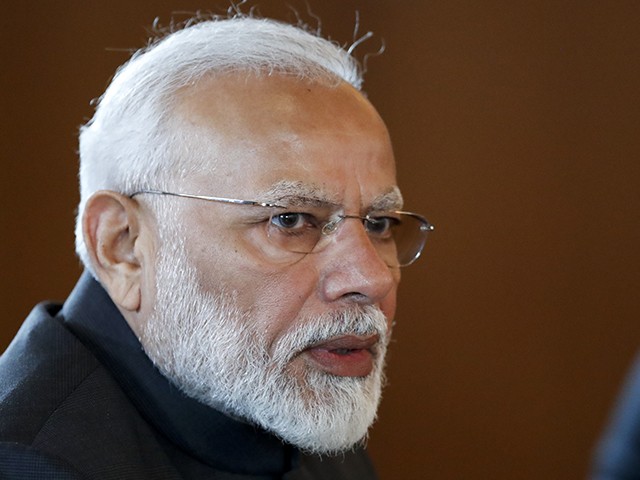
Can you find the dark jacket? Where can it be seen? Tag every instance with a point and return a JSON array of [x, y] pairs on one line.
[[80, 399]]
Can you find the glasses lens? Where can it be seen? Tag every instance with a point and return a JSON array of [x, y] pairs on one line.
[[398, 237], [295, 231], [410, 235]]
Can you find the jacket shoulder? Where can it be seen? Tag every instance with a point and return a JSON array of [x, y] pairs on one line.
[[61, 409], [44, 365], [20, 462]]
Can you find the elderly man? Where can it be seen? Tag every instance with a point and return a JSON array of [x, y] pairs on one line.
[[242, 232]]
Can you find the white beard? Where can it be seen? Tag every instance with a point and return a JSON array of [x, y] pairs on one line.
[[214, 353]]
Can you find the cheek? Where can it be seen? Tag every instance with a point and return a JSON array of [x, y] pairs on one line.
[[281, 296], [281, 300]]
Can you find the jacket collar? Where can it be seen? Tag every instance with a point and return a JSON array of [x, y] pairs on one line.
[[209, 435]]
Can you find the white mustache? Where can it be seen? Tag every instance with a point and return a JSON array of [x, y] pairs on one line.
[[359, 321]]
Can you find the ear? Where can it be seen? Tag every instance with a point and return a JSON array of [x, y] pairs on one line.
[[111, 227]]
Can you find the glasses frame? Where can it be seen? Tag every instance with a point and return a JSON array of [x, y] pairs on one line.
[[327, 229]]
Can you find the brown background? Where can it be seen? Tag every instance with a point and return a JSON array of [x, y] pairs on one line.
[[516, 132]]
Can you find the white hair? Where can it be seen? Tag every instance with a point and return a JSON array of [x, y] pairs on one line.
[[131, 143]]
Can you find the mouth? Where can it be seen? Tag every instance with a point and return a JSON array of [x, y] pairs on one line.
[[344, 356]]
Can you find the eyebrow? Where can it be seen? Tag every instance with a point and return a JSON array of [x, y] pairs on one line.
[[299, 193], [391, 200]]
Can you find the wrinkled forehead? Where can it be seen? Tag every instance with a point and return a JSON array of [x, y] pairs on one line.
[[273, 134]]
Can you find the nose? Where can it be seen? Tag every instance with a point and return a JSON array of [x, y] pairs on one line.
[[352, 268]]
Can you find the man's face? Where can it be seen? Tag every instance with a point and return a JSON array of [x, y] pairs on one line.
[[281, 140], [259, 133]]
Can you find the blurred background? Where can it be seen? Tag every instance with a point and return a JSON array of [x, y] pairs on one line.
[[516, 130]]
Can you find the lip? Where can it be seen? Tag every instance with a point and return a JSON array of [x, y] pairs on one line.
[[344, 356]]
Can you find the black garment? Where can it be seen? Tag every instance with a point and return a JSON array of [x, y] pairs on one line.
[[80, 399], [618, 453]]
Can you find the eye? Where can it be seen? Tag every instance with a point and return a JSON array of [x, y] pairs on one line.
[[293, 221], [381, 227]]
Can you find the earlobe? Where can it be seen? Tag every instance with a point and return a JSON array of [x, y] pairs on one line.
[[111, 228]]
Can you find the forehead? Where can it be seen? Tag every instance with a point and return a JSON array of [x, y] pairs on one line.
[[251, 134]]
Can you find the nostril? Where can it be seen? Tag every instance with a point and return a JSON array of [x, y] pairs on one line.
[[356, 297]]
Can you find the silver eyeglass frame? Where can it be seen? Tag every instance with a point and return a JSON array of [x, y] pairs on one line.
[[326, 230], [234, 201]]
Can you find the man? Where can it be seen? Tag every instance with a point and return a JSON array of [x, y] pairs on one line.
[[241, 229]]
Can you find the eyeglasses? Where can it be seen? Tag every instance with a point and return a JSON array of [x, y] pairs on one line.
[[397, 236]]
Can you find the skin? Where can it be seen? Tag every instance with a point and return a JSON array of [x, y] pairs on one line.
[[329, 140]]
